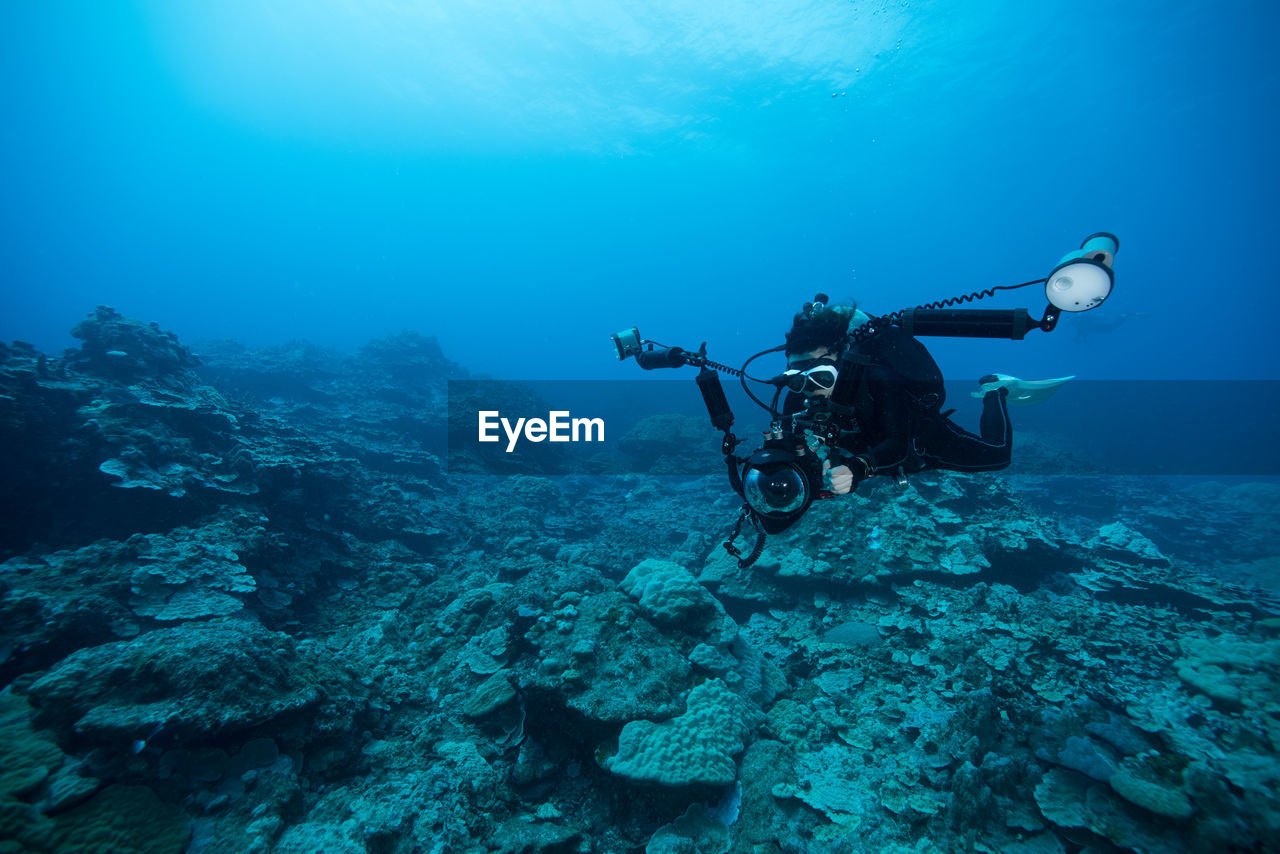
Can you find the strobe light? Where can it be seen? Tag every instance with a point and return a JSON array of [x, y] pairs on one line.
[[1083, 279]]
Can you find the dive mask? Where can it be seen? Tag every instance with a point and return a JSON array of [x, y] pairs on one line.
[[821, 377]]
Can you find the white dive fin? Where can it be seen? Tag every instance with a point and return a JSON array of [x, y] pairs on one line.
[[1023, 392]]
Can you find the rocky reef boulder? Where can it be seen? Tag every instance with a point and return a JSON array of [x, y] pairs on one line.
[[670, 444], [190, 683], [124, 348]]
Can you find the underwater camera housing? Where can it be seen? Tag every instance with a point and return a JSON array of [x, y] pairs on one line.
[[779, 482]]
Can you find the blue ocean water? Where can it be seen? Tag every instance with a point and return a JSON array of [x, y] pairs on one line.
[[522, 181], [262, 587]]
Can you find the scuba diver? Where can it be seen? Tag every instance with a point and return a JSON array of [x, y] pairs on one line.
[[897, 406], [864, 397]]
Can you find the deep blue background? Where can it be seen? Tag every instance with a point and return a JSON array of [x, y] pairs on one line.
[[522, 183]]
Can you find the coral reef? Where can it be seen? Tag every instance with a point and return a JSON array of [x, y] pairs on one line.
[[245, 606]]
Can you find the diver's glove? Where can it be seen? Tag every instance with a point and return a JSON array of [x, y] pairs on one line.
[[840, 478]]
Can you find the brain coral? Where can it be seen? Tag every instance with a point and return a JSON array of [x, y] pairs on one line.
[[668, 593]]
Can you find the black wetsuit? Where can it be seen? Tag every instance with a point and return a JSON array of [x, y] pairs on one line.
[[900, 422]]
